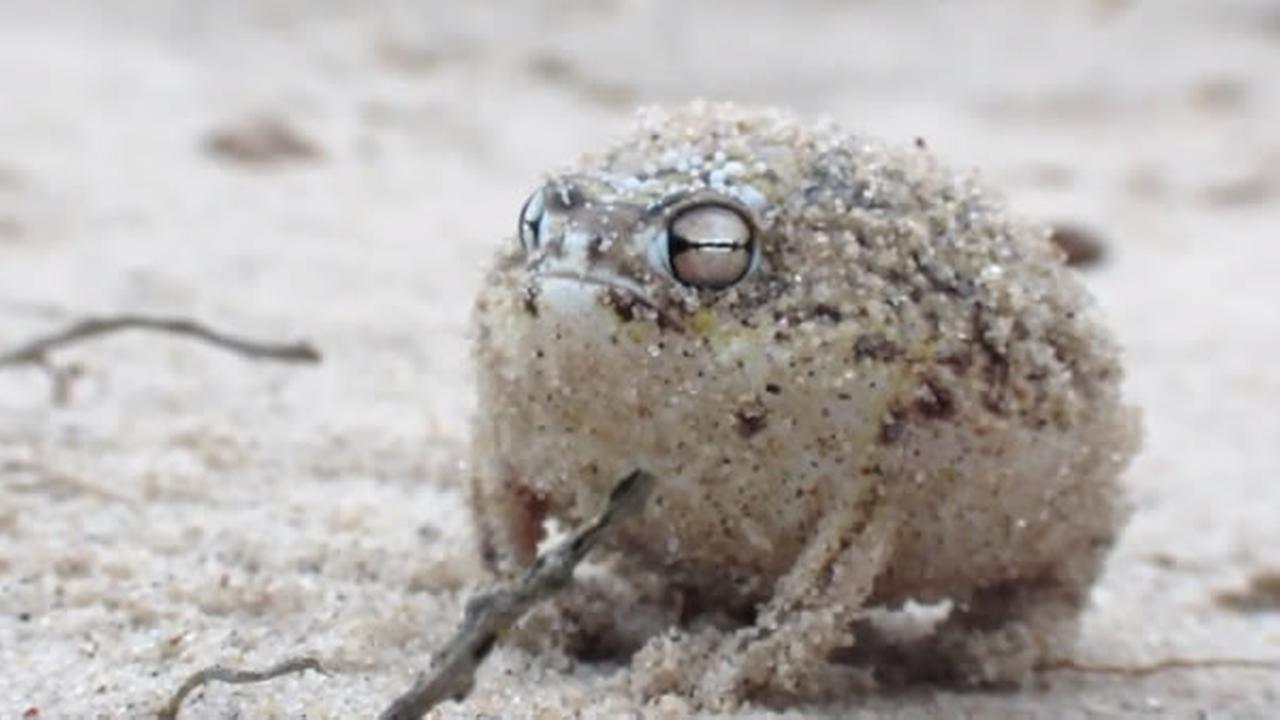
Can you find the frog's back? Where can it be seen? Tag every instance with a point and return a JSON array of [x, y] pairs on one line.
[[924, 262]]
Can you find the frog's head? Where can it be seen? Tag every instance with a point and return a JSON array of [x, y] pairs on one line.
[[659, 248]]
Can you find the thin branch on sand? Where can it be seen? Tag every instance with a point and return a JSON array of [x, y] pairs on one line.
[[487, 616], [218, 673], [1160, 666], [492, 613], [36, 352]]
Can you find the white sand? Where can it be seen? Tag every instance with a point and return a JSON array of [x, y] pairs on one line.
[[188, 507]]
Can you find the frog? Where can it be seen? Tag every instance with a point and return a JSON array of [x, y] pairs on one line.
[[862, 383]]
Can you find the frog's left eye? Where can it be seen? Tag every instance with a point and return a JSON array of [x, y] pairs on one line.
[[710, 246], [531, 220]]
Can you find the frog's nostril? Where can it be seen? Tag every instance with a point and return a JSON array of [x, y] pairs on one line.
[[580, 248]]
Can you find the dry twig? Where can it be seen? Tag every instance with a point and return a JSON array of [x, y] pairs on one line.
[[36, 352], [1159, 666], [490, 614], [487, 616], [218, 673]]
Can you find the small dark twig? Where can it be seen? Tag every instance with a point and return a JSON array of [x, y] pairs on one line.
[[1159, 666], [36, 352], [487, 616], [218, 673], [492, 613]]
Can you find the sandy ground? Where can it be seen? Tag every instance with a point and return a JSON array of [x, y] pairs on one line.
[[187, 507]]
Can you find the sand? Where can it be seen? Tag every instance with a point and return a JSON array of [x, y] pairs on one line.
[[186, 506]]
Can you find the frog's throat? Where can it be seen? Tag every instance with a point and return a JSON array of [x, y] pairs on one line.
[[618, 284]]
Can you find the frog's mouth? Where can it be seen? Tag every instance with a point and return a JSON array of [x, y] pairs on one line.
[[620, 294]]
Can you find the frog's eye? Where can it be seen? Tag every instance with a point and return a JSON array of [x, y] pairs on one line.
[[710, 246], [531, 220]]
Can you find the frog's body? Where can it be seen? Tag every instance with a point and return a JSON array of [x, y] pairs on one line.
[[905, 395]]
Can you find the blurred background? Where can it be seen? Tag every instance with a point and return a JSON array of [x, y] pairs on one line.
[[342, 171]]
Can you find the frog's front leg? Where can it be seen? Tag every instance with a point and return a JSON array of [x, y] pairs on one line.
[[786, 651]]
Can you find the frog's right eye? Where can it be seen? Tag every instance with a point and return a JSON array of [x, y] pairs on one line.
[[710, 245], [531, 221]]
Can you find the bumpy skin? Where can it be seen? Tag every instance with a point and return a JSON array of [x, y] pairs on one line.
[[908, 397]]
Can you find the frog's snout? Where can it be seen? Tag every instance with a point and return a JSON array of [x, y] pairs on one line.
[[568, 295], [598, 299]]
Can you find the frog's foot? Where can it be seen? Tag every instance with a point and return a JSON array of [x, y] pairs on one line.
[[786, 652], [1000, 636], [610, 615]]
